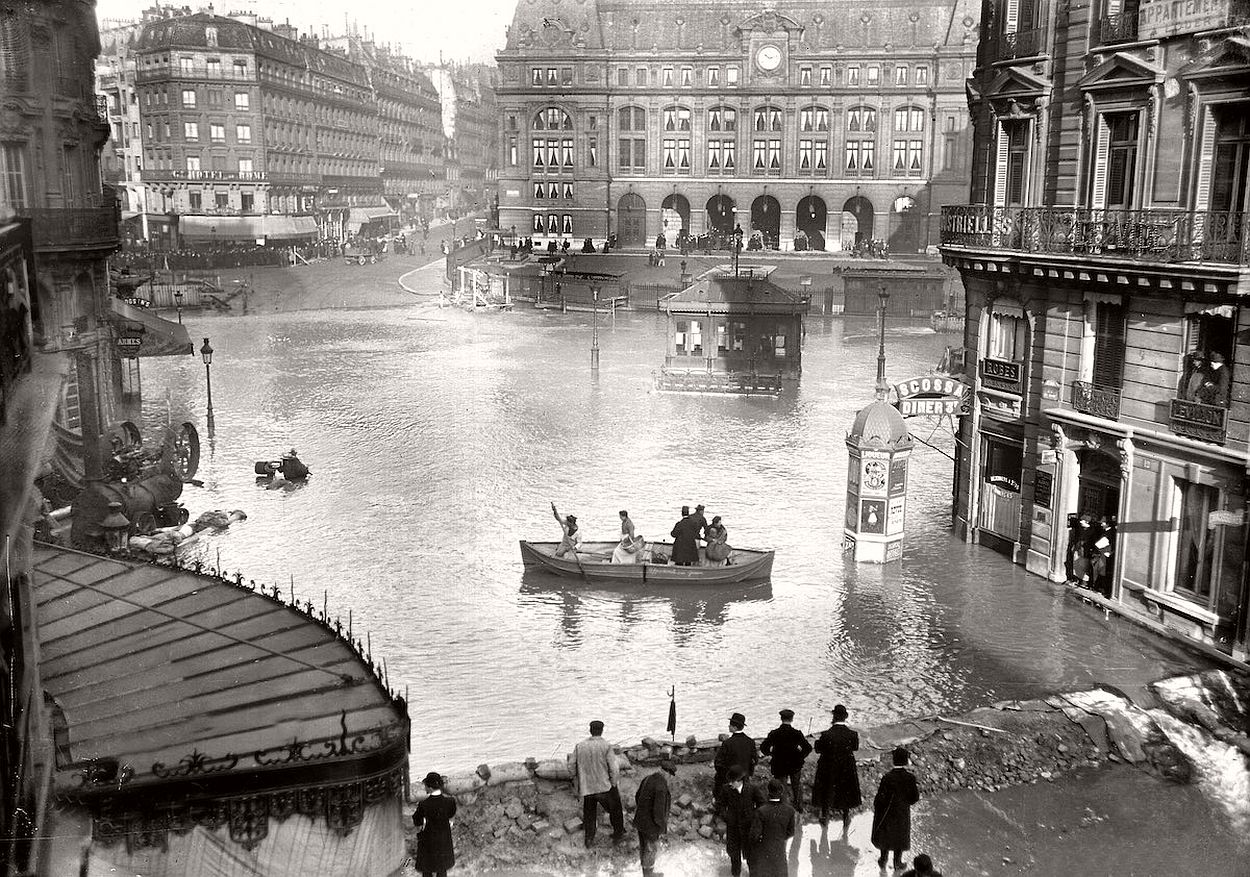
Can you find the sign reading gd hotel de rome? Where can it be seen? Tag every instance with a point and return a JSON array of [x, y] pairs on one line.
[[1167, 18]]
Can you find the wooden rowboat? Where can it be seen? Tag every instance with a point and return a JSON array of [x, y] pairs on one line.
[[594, 563]]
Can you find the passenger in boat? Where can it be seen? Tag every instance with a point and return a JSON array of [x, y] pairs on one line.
[[717, 542], [685, 539], [572, 539], [629, 549]]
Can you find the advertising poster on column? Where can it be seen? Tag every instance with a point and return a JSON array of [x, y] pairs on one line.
[[896, 517]]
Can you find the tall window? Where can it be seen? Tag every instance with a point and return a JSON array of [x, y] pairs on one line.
[[861, 156], [813, 119], [1206, 375], [676, 119], [536, 78], [217, 132], [243, 134], [826, 76], [552, 119], [536, 147], [592, 152], [713, 77], [13, 175], [1008, 339], [191, 132], [242, 100], [214, 68], [721, 157], [873, 75], [632, 142], [766, 119], [188, 98], [1108, 364], [1011, 183], [245, 165], [1230, 163], [640, 76], [805, 76], [1121, 159], [193, 162], [186, 66], [666, 77], [622, 76], [900, 75], [908, 119], [852, 75], [1195, 538], [687, 77], [731, 76], [860, 119], [722, 119]]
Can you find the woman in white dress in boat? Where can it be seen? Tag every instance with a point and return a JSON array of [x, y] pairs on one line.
[[629, 549]]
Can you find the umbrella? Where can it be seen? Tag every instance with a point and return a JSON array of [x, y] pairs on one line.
[[672, 712]]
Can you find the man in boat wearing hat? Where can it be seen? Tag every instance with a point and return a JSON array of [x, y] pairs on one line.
[[572, 539], [788, 748], [737, 749]]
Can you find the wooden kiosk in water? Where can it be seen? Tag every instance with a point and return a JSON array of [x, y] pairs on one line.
[[733, 333]]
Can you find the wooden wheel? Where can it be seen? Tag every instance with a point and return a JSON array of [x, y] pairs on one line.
[[186, 451]]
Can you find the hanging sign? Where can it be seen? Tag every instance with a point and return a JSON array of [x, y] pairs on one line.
[[931, 394]]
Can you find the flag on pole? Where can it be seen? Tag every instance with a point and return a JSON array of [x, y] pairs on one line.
[[672, 712]]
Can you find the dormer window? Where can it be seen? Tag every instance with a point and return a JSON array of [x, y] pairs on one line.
[[210, 36]]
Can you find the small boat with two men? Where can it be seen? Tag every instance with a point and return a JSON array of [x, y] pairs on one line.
[[632, 558]]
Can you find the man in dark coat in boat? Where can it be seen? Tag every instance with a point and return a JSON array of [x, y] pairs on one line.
[[788, 748], [773, 825], [891, 810], [651, 805], [685, 541]]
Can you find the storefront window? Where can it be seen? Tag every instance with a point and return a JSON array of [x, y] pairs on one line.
[[1195, 539], [1003, 464]]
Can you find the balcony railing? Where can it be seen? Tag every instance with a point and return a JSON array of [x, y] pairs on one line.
[[226, 72], [1158, 235], [207, 176], [1089, 399], [1119, 27], [1207, 423], [72, 228], [1002, 374], [1020, 43]]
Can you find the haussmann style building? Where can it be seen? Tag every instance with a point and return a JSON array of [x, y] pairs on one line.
[[1105, 257], [844, 122]]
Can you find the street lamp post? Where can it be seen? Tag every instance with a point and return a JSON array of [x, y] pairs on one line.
[[883, 389], [206, 351], [178, 304], [594, 336], [737, 236]]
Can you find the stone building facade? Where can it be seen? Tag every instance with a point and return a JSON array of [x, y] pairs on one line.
[[1105, 259], [845, 122]]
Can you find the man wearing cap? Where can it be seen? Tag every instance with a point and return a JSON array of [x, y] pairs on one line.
[[651, 805], [788, 748], [891, 810], [738, 802], [736, 749], [595, 776], [773, 825]]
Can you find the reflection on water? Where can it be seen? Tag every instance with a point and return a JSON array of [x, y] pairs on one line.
[[436, 444]]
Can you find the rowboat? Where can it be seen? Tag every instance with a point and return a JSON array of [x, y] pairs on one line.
[[593, 563]]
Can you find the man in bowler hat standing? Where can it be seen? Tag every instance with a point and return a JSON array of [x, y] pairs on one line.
[[737, 749], [891, 810], [651, 805], [596, 775], [789, 748]]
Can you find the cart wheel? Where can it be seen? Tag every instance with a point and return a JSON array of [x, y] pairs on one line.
[[186, 451], [183, 516], [360, 260], [372, 259]]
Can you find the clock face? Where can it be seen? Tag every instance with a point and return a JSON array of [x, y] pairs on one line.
[[874, 475], [768, 58]]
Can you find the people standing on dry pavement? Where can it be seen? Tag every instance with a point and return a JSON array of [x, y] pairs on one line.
[[596, 775], [432, 819], [788, 748], [737, 749], [836, 787], [774, 824], [739, 800], [921, 866], [891, 810], [651, 804]]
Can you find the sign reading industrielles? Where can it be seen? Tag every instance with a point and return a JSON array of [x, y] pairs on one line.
[[931, 394], [1167, 18]]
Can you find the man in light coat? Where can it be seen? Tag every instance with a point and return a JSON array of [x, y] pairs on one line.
[[595, 776]]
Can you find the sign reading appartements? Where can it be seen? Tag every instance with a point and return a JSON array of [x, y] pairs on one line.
[[1166, 18]]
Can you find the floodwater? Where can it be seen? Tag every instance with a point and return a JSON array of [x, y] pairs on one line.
[[438, 438]]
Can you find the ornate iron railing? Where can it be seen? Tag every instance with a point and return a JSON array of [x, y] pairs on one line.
[[1207, 423], [1021, 43], [67, 228], [1157, 235], [1119, 27], [1002, 374], [1089, 399]]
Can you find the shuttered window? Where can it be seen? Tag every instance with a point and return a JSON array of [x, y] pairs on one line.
[[1115, 163], [1012, 166], [1108, 347], [1231, 157]]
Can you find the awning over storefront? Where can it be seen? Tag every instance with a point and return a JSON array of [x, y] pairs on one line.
[[281, 228], [221, 228], [364, 215], [157, 336]]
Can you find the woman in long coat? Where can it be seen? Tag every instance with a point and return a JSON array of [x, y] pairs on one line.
[[432, 819], [836, 786]]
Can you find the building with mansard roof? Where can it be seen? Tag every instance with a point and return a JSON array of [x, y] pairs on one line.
[[1105, 255], [842, 121]]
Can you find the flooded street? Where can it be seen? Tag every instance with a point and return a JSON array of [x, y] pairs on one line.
[[438, 438]]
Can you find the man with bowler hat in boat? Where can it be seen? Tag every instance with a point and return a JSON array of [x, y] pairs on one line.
[[596, 775], [739, 800], [651, 805], [736, 749], [788, 748]]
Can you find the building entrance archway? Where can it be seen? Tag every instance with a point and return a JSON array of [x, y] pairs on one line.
[[766, 219], [674, 216], [631, 220], [720, 214], [810, 217], [857, 217]]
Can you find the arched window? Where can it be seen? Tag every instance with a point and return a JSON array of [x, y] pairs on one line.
[[814, 119], [721, 119], [766, 119], [766, 122], [908, 119], [552, 119], [676, 118], [814, 140], [631, 119], [861, 119]]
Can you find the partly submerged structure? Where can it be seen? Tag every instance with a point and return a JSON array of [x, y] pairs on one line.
[[203, 727]]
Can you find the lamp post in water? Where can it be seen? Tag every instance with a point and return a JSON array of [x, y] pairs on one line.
[[206, 351], [594, 336]]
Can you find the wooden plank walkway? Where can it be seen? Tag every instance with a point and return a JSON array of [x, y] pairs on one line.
[[150, 663]]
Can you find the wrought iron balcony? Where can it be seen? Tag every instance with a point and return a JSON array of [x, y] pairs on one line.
[[1119, 27], [1003, 375], [1021, 43], [73, 228], [1156, 235], [1098, 402], [1207, 423]]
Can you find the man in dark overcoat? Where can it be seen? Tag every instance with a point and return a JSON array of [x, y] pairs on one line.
[[651, 804], [739, 800], [891, 810], [685, 540], [837, 776], [736, 749], [773, 825], [788, 748]]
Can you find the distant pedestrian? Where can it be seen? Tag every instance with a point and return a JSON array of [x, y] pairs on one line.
[[596, 775], [735, 750], [891, 810], [773, 825], [432, 819], [837, 777], [788, 748], [739, 799], [921, 866], [651, 805]]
